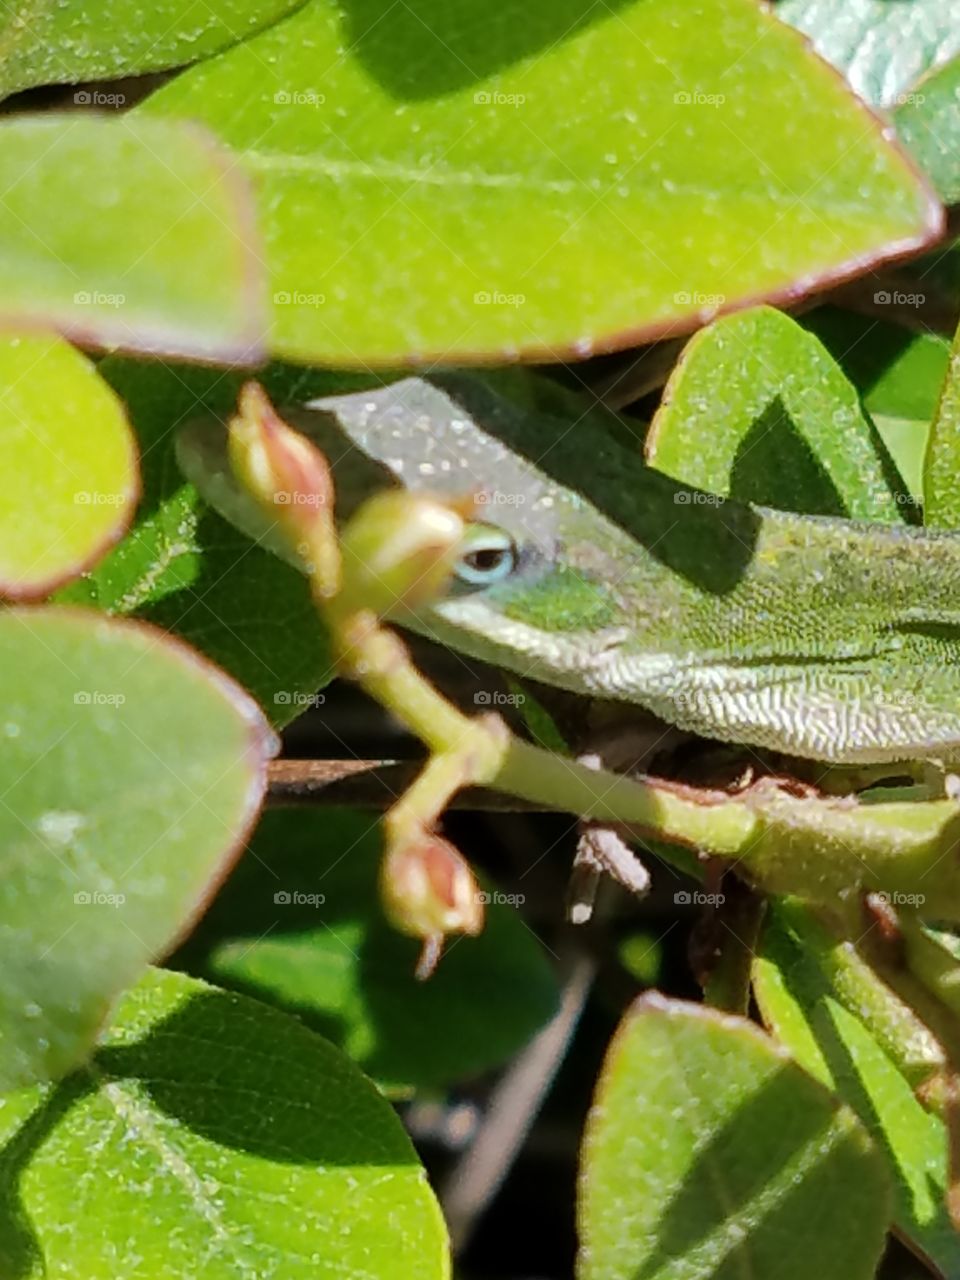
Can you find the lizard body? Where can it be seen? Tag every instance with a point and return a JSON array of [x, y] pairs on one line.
[[815, 636]]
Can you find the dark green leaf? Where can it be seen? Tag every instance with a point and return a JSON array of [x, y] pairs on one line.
[[941, 490], [897, 373]]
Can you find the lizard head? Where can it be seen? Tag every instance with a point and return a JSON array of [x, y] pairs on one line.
[[537, 585]]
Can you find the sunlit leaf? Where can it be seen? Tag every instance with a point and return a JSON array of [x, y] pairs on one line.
[[707, 1150], [451, 179], [831, 1042], [756, 409], [212, 1136], [70, 474], [928, 123]]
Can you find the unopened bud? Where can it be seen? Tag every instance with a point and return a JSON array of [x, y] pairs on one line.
[[290, 479], [429, 891], [398, 550]]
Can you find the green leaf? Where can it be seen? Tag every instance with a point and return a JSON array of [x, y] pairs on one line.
[[881, 48], [70, 476], [157, 251], [898, 375], [340, 966], [707, 1150], [76, 40], [464, 181], [928, 122], [211, 1136], [130, 772], [830, 1041], [184, 568], [941, 491], [756, 409]]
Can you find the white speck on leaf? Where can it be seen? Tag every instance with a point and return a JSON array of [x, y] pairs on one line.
[[60, 825]]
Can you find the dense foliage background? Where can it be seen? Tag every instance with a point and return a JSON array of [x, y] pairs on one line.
[[323, 195]]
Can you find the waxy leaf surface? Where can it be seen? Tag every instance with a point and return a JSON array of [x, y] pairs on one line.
[[211, 1136], [452, 179], [130, 773]]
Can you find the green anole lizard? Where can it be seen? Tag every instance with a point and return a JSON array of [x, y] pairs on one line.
[[817, 637]]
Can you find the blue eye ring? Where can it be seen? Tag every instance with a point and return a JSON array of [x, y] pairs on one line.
[[489, 555]]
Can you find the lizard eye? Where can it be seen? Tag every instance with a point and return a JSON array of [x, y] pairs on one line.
[[489, 555]]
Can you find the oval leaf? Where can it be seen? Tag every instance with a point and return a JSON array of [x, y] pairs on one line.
[[707, 1149], [757, 410], [441, 179], [130, 773], [70, 465], [211, 1136], [157, 253]]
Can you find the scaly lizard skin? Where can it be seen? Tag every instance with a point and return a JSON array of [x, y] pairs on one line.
[[818, 637]]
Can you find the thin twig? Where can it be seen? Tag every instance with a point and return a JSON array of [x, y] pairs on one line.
[[368, 784]]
